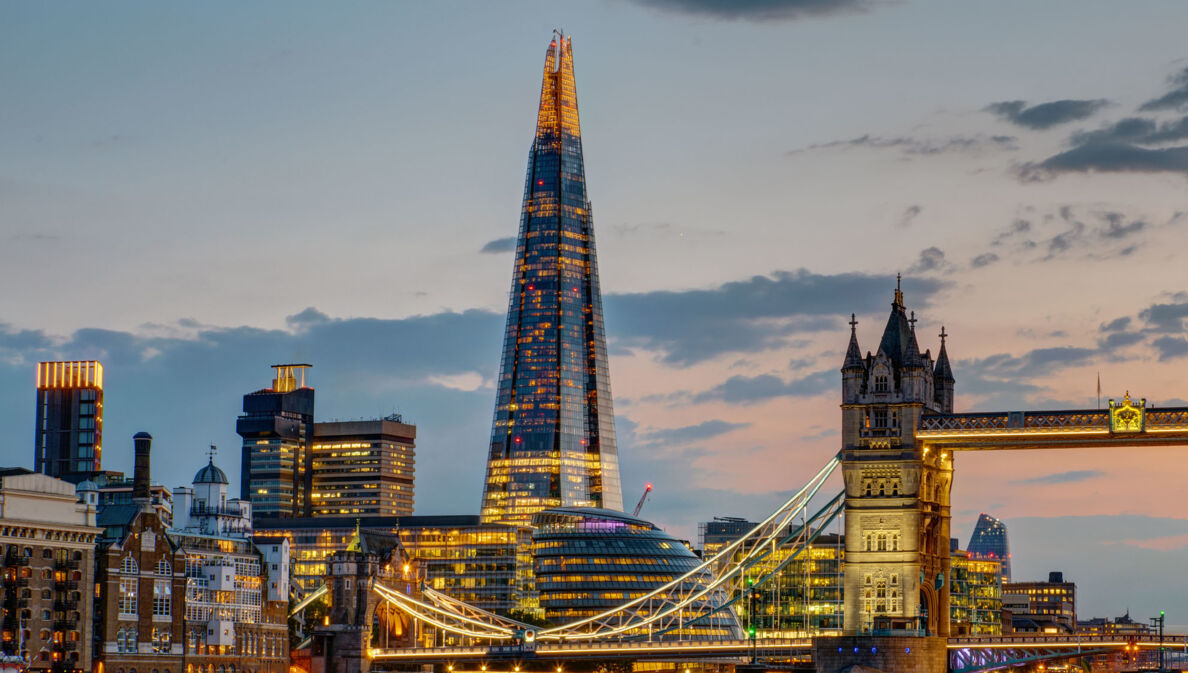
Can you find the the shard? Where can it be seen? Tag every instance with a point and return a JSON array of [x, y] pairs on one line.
[[553, 436]]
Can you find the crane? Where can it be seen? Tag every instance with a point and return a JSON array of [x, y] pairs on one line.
[[642, 498]]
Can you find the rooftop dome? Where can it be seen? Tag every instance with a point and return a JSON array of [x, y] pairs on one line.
[[86, 485], [210, 475]]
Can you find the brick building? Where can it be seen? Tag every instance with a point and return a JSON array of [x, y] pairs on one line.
[[185, 600]]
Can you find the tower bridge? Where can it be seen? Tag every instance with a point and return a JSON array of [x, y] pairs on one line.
[[900, 436]]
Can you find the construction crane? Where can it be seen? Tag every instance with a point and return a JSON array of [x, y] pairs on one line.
[[642, 498]]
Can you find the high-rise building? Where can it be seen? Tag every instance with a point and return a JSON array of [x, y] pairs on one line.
[[989, 541], [277, 431], [553, 435], [69, 439], [363, 468]]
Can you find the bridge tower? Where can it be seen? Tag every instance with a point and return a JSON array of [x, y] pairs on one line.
[[342, 644], [897, 492]]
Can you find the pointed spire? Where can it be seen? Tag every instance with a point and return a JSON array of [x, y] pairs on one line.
[[853, 353], [897, 301], [898, 337], [943, 371]]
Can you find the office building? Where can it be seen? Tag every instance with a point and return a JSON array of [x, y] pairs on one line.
[[591, 560], [1123, 626], [805, 597], [312, 541], [47, 553], [553, 434], [363, 468], [277, 431], [975, 607], [185, 600], [69, 438], [486, 565], [989, 541], [1041, 607]]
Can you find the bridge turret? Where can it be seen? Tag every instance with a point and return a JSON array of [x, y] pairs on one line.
[[854, 368], [942, 377]]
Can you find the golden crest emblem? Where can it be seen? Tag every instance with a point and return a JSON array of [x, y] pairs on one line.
[[1127, 416]]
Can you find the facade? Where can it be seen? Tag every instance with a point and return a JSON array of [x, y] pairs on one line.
[[363, 468], [806, 595], [312, 541], [1042, 607], [116, 489], [1122, 626], [181, 600], [486, 565], [975, 607], [553, 434], [591, 560], [277, 431], [989, 541], [47, 553], [69, 437], [897, 494]]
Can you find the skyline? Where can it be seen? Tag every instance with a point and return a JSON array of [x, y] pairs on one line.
[[729, 274]]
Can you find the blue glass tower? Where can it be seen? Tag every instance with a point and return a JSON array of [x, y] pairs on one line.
[[553, 436], [989, 541]]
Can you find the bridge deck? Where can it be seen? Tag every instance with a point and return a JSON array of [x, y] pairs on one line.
[[1052, 429], [604, 650]]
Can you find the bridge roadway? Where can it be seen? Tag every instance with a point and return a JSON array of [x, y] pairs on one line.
[[965, 648]]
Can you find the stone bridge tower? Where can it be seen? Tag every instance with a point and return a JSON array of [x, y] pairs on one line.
[[897, 492], [357, 614]]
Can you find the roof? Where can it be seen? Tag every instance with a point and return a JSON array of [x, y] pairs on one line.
[[588, 513], [210, 474]]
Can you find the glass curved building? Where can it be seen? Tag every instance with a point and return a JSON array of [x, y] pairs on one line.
[[553, 434], [989, 542], [590, 560]]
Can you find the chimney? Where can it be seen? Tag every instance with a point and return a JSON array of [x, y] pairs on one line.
[[1056, 577], [143, 442]]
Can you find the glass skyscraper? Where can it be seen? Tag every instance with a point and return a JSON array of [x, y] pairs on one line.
[[69, 439], [553, 436], [989, 541]]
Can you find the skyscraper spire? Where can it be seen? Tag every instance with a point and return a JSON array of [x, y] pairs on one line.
[[553, 435]]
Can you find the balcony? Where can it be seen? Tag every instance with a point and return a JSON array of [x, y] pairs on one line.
[[66, 564], [65, 606], [12, 561], [65, 624], [71, 585]]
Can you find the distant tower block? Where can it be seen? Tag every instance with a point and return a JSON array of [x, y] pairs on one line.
[[897, 494], [989, 541], [68, 442]]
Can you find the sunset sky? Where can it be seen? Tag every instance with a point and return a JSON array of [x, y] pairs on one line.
[[192, 192]]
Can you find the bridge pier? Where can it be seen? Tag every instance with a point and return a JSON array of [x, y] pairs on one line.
[[890, 654]]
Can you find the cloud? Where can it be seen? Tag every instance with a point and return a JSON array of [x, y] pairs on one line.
[[1175, 98], [1045, 115], [918, 146], [1135, 130], [1088, 233], [1108, 158], [759, 10], [753, 389], [499, 245], [1116, 325], [1070, 477], [984, 259], [1166, 318], [689, 433], [909, 215], [1170, 348], [931, 259], [760, 313]]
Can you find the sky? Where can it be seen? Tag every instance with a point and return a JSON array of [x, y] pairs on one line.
[[192, 192]]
